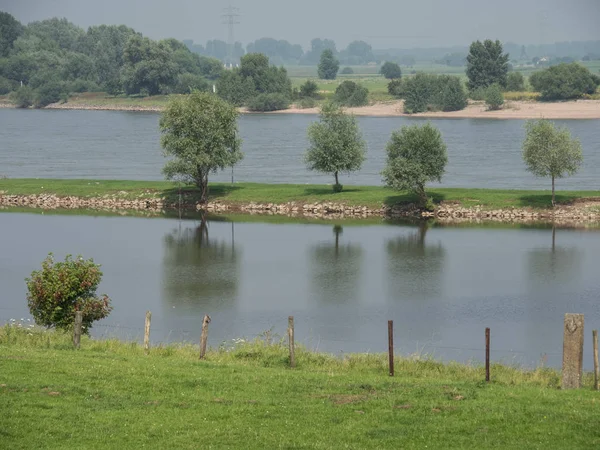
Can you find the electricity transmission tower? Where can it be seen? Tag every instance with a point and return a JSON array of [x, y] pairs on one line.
[[230, 18]]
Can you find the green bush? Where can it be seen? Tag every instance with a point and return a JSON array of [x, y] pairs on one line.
[[515, 82], [59, 289], [477, 94], [80, 85], [349, 93], [452, 96], [564, 82], [309, 89], [391, 70], [494, 97], [307, 103], [396, 88], [425, 92], [6, 86], [347, 71], [51, 92], [187, 82], [268, 102], [23, 97]]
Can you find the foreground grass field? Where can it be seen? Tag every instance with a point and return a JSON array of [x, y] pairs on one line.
[[109, 394], [244, 193]]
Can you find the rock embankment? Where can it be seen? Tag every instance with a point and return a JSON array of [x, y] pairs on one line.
[[584, 212]]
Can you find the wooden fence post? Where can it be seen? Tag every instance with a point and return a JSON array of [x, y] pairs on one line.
[[596, 367], [487, 355], [204, 336], [147, 332], [291, 341], [77, 328], [572, 364], [391, 346]]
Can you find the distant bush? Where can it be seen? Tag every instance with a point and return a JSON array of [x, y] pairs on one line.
[[309, 89], [564, 82], [391, 70], [494, 97], [80, 85], [307, 102], [188, 82], [396, 88], [515, 82], [51, 92], [23, 97], [349, 93], [477, 94], [425, 92], [268, 102], [347, 71], [6, 86]]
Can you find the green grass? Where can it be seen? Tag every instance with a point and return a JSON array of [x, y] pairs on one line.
[[109, 394], [243, 193]]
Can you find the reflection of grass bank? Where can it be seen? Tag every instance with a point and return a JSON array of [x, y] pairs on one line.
[[244, 395], [245, 193]]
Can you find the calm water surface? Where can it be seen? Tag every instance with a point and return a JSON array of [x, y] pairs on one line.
[[441, 286], [125, 145]]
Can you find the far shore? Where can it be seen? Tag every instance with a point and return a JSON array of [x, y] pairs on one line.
[[579, 109]]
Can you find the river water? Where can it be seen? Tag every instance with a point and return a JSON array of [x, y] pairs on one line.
[[125, 145], [441, 285]]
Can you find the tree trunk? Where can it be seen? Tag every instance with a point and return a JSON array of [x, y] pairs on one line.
[[422, 196], [203, 185], [336, 177], [553, 201]]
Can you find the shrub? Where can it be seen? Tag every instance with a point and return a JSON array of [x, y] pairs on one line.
[[51, 92], [188, 82], [515, 82], [564, 82], [433, 92], [453, 96], [269, 102], [494, 97], [59, 289], [477, 94], [349, 93], [309, 89], [6, 86], [328, 65], [396, 88], [390, 70], [347, 71], [307, 102], [22, 97], [80, 85]]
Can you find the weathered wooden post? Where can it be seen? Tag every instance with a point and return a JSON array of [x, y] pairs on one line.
[[204, 336], [147, 332], [391, 346], [596, 367], [487, 355], [77, 329], [572, 364], [291, 341]]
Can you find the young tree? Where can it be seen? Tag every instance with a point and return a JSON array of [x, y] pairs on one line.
[[549, 151], [494, 97], [486, 64], [349, 93], [200, 132], [309, 89], [515, 82], [415, 155], [59, 289], [391, 71], [336, 143], [328, 66]]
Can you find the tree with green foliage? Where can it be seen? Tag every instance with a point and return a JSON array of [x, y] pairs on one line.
[[199, 132], [23, 97], [336, 143], [486, 64], [426, 91], [347, 71], [564, 82], [60, 289], [309, 89], [494, 98], [549, 151], [515, 82], [391, 70], [351, 94], [452, 96], [415, 155], [396, 88], [328, 65], [50, 92], [273, 101], [10, 30], [188, 82]]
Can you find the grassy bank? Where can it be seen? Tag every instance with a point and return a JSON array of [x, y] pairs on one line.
[[244, 193], [109, 394]]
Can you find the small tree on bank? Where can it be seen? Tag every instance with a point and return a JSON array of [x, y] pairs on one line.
[[415, 155], [494, 98], [336, 143], [59, 289], [200, 132], [328, 65], [391, 70], [549, 151], [486, 64]]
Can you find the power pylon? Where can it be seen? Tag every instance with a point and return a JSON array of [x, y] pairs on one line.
[[230, 18]]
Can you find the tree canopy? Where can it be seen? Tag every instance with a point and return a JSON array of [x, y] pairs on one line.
[[328, 65], [564, 81], [486, 64], [390, 70]]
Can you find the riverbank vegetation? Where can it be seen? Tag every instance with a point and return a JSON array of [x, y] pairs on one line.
[[245, 193], [244, 394]]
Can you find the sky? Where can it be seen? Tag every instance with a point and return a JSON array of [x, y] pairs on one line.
[[382, 23]]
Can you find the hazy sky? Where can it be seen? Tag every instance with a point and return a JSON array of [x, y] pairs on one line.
[[382, 23]]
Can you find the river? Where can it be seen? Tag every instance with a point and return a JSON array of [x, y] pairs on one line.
[[125, 145], [441, 285]]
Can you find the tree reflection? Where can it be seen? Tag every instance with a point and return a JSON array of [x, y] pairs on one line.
[[199, 271], [336, 270], [415, 267]]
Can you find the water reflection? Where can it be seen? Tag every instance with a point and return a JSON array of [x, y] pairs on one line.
[[336, 270], [198, 271], [415, 267]]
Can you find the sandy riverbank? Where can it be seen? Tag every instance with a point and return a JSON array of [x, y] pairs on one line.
[[580, 109]]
